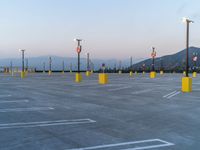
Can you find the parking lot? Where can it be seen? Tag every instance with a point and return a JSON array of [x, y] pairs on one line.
[[44, 112]]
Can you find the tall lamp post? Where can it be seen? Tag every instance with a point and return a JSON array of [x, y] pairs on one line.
[[194, 59], [187, 81], [153, 55], [88, 65], [78, 49], [131, 66], [50, 63], [23, 71]]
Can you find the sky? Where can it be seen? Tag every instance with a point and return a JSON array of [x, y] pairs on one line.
[[109, 28]]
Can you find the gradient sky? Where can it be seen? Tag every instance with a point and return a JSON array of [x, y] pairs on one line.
[[110, 28]]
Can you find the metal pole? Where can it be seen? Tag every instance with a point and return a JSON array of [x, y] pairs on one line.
[[49, 63], [88, 61], [131, 63], [26, 64], [43, 66], [22, 60], [187, 48], [63, 64]]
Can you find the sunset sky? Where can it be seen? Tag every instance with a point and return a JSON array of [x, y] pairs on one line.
[[110, 28]]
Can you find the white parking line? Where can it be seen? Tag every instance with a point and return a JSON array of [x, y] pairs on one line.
[[25, 109], [121, 88], [44, 123], [169, 94], [134, 143], [15, 101], [172, 94], [9, 95], [142, 91]]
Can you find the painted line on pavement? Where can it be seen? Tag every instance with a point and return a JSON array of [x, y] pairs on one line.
[[136, 145], [45, 123], [14, 101], [26, 109]]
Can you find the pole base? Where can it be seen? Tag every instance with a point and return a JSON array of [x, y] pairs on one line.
[[92, 71], [120, 72], [88, 73], [78, 78], [103, 78], [152, 74], [194, 74], [50, 72], [184, 73], [131, 73], [143, 72], [161, 72], [23, 74], [186, 84]]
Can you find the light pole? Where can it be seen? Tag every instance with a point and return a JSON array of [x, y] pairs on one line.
[[153, 55], [22, 72], [44, 67], [186, 81], [50, 63], [187, 21], [78, 49], [194, 59], [131, 66], [63, 67], [88, 65]]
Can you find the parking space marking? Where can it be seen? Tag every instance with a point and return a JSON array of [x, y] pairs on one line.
[[45, 123], [178, 92], [172, 94], [26, 109], [134, 143], [120, 88], [169, 94], [9, 95], [14, 101], [142, 91]]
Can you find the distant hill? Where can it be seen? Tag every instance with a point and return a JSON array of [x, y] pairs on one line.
[[37, 62], [171, 62]]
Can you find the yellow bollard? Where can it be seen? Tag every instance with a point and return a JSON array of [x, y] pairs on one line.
[[78, 77], [152, 74], [23, 74], [103, 78], [143, 72], [88, 73], [131, 73], [50, 72], [194, 74], [161, 72], [186, 84], [63, 72]]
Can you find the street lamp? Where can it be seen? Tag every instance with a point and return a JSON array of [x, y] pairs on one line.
[[78, 49], [186, 81], [131, 66], [194, 59], [153, 55], [22, 72], [88, 65], [50, 62]]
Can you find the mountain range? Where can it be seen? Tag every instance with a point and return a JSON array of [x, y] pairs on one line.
[[171, 62]]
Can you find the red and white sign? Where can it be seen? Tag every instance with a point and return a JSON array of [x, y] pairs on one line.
[[153, 54], [78, 49], [195, 58]]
